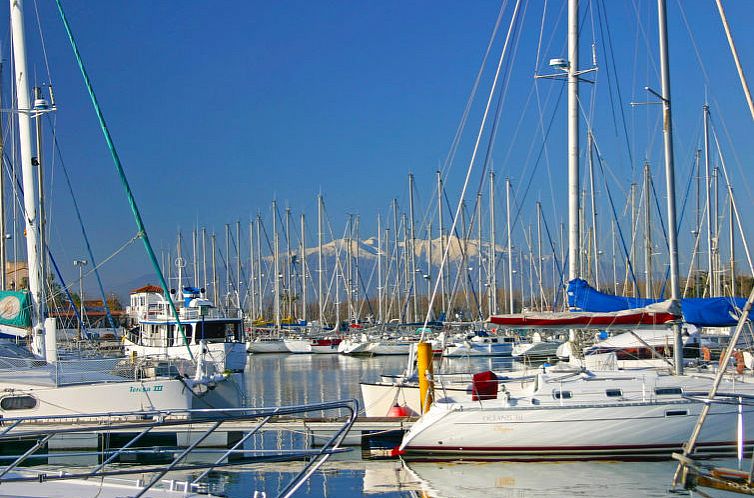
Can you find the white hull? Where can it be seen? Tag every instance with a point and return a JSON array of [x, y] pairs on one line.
[[542, 349], [102, 397], [468, 348], [638, 424], [225, 355], [375, 348], [316, 346], [267, 346]]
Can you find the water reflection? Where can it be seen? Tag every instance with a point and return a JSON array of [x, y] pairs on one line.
[[501, 479]]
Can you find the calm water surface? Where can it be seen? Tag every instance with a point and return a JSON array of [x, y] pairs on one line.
[[285, 379]]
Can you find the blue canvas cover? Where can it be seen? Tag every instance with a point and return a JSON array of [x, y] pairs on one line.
[[702, 312]]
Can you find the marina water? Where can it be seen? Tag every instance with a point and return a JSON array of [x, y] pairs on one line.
[[287, 379]]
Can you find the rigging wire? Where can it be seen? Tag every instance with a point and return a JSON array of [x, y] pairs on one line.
[[122, 175]]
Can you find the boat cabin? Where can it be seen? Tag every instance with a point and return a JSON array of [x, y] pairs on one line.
[[201, 320]]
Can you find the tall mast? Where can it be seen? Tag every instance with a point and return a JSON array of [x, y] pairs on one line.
[[380, 316], [428, 276], [441, 228], [215, 290], [320, 269], [238, 264], [592, 194], [387, 295], [716, 264], [413, 243], [510, 242], [732, 240], [647, 235], [539, 257], [479, 252], [303, 265], [574, 242], [195, 254], [276, 265], [357, 277], [708, 204], [675, 290], [396, 255], [28, 174], [38, 105], [288, 264], [349, 268], [179, 263], [260, 272], [227, 265], [493, 254], [204, 258], [252, 286], [406, 267]]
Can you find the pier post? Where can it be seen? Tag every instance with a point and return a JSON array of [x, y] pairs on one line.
[[424, 368]]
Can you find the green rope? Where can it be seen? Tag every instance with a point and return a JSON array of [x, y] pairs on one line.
[[122, 175]]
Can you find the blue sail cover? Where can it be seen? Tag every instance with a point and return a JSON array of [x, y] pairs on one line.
[[700, 311]]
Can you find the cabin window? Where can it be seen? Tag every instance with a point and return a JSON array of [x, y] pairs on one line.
[[676, 413], [217, 331], [668, 391], [562, 394], [18, 403], [613, 393]]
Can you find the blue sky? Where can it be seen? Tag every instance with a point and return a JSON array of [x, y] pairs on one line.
[[217, 108]]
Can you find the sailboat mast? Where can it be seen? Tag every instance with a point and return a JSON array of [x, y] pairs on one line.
[[540, 276], [40, 183], [28, 174], [227, 265], [441, 228], [413, 244], [276, 265], [302, 266], [675, 289], [179, 263], [215, 290], [320, 270], [252, 287], [380, 316], [592, 195], [573, 140], [708, 203], [732, 241], [260, 272], [204, 257], [195, 253], [238, 264], [479, 259], [647, 234], [493, 254], [428, 276], [510, 243]]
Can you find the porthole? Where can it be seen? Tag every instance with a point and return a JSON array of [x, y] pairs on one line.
[[18, 403], [562, 394]]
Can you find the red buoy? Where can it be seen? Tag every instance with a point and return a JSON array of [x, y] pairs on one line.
[[397, 411]]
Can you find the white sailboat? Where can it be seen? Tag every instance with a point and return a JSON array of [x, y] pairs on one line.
[[38, 383], [639, 414]]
